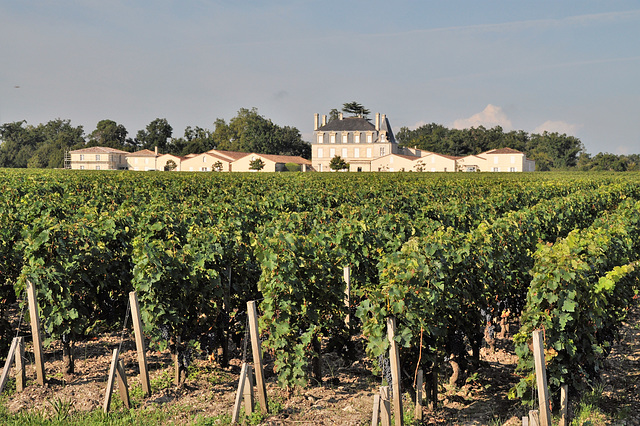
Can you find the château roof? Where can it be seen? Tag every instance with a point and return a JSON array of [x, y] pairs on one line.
[[348, 124], [142, 153]]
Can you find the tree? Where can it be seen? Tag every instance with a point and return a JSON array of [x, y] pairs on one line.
[[338, 163], [334, 114], [256, 164], [110, 134], [355, 109], [157, 134], [217, 166], [251, 132], [170, 166]]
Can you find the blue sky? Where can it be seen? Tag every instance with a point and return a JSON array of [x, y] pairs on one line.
[[566, 66]]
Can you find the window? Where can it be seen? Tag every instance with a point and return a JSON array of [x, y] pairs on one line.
[[204, 159], [345, 137], [369, 138], [204, 169], [496, 169], [445, 169], [382, 153], [320, 152], [369, 152], [81, 157], [319, 167], [97, 167], [333, 138], [344, 152], [512, 169], [81, 167], [356, 152], [332, 152], [320, 137], [356, 138], [97, 157]]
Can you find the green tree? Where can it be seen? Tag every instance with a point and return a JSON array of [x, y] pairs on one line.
[[256, 164], [110, 134], [156, 134], [248, 131], [170, 166], [355, 109], [338, 163], [334, 114], [562, 150]]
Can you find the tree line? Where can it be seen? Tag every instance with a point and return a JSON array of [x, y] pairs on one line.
[[44, 145], [550, 150]]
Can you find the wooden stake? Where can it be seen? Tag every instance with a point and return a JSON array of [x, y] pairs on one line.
[[525, 421], [541, 378], [140, 348], [564, 405], [123, 387], [375, 418], [8, 363], [248, 391], [385, 407], [394, 358], [534, 419], [252, 311], [241, 384], [419, 383], [347, 295], [35, 331], [112, 376], [21, 377]]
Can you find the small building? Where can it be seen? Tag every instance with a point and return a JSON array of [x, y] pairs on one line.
[[97, 158], [169, 163], [143, 160], [272, 163]]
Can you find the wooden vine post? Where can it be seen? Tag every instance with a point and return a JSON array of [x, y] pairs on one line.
[[564, 405], [116, 371], [347, 295], [256, 349], [419, 384], [140, 347], [244, 392], [385, 406], [394, 357], [541, 378], [35, 331]]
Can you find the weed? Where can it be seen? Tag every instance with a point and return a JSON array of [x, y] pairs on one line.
[[164, 381], [61, 408]]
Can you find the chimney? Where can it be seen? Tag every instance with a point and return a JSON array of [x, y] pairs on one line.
[[340, 115], [324, 119], [377, 121], [383, 119], [156, 150], [315, 121]]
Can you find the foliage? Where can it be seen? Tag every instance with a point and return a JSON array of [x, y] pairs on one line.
[[256, 164], [355, 109], [338, 163], [157, 134]]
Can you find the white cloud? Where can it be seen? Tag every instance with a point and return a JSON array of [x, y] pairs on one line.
[[557, 126], [491, 116]]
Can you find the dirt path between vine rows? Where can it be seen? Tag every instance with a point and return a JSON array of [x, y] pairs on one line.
[[345, 399]]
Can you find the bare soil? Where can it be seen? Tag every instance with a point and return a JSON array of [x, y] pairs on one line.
[[345, 398]]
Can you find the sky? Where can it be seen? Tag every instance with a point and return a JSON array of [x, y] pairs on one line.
[[562, 66]]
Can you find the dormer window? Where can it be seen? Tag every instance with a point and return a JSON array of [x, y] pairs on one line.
[[332, 138], [320, 137], [356, 137], [345, 137]]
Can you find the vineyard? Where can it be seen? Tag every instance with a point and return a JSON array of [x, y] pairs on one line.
[[454, 258]]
